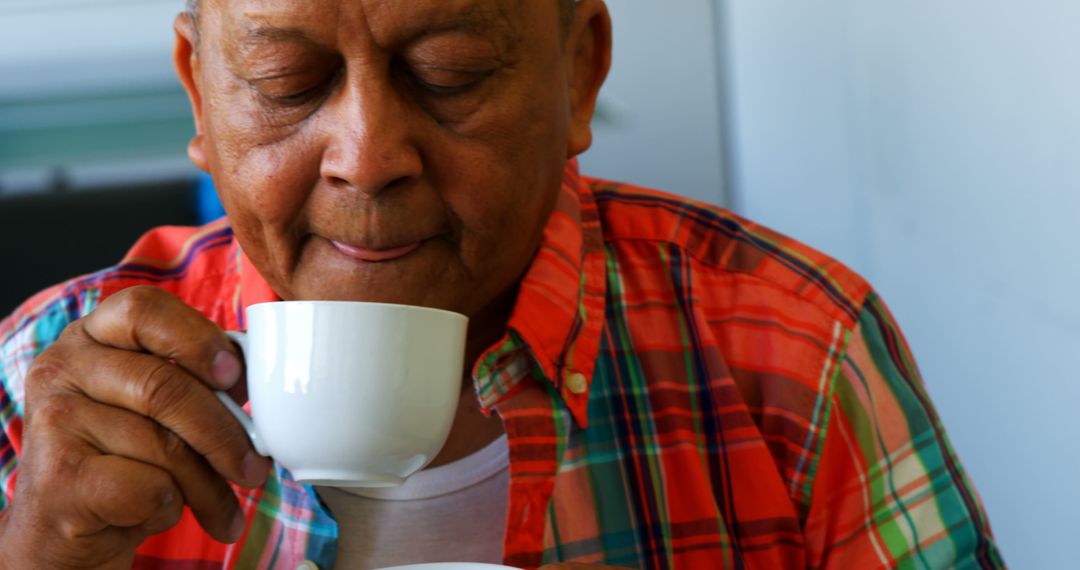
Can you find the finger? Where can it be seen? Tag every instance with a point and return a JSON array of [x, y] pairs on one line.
[[119, 432], [169, 395], [120, 492], [239, 393], [151, 320], [58, 505]]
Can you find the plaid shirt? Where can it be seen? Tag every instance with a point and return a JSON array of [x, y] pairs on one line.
[[681, 388]]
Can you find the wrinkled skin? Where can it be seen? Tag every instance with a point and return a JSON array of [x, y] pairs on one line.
[[377, 150], [366, 131]]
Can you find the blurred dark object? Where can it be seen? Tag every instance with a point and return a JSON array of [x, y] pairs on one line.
[[47, 238]]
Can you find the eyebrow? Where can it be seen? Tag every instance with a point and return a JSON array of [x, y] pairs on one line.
[[476, 20], [266, 33]]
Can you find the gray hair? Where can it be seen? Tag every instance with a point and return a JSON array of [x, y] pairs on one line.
[[193, 12], [566, 12]]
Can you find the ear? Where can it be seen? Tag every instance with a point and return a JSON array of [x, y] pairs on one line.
[[588, 59], [186, 62]]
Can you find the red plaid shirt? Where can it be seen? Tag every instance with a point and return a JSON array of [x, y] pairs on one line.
[[681, 388]]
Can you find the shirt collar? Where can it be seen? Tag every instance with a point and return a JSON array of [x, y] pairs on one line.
[[554, 328]]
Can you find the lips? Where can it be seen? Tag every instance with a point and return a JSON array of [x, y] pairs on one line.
[[376, 255]]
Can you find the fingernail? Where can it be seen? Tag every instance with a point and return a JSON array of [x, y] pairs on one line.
[[238, 526], [254, 469], [226, 369]]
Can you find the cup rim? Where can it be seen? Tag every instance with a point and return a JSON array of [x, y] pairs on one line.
[[399, 306]]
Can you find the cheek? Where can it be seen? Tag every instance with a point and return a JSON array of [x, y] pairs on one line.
[[502, 211], [261, 170], [501, 185], [267, 183], [263, 188]]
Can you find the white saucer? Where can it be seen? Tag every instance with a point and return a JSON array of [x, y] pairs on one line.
[[452, 566]]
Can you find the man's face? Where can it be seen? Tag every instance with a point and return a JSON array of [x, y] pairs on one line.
[[379, 150]]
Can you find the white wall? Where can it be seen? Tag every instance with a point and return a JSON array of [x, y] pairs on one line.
[[87, 86], [660, 108], [85, 44], [935, 147]]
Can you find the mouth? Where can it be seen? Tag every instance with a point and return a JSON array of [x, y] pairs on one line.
[[376, 255]]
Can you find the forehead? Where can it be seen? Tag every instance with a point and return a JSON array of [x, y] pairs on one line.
[[385, 20]]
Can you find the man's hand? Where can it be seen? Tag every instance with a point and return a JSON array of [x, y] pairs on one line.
[[123, 429]]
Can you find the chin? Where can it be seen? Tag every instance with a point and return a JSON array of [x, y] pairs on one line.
[[426, 277], [409, 290]]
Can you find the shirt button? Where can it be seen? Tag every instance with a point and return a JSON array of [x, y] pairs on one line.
[[576, 383], [307, 565]]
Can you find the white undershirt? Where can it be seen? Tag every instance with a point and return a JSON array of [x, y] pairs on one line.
[[452, 513]]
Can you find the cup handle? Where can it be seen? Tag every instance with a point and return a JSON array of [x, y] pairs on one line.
[[241, 416]]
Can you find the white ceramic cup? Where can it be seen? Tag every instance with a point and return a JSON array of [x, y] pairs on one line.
[[350, 394]]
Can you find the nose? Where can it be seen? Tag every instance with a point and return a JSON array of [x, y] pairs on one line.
[[369, 146]]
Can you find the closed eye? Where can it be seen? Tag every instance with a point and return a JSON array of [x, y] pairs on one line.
[[443, 81], [296, 99], [438, 89], [282, 95]]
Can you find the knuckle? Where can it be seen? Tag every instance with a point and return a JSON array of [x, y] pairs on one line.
[[53, 464], [161, 495], [69, 528], [123, 492], [130, 303], [52, 413], [57, 365], [134, 300], [161, 391], [75, 331], [169, 509], [45, 371], [133, 304], [173, 448]]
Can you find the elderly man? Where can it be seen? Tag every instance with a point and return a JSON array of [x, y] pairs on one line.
[[653, 382]]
